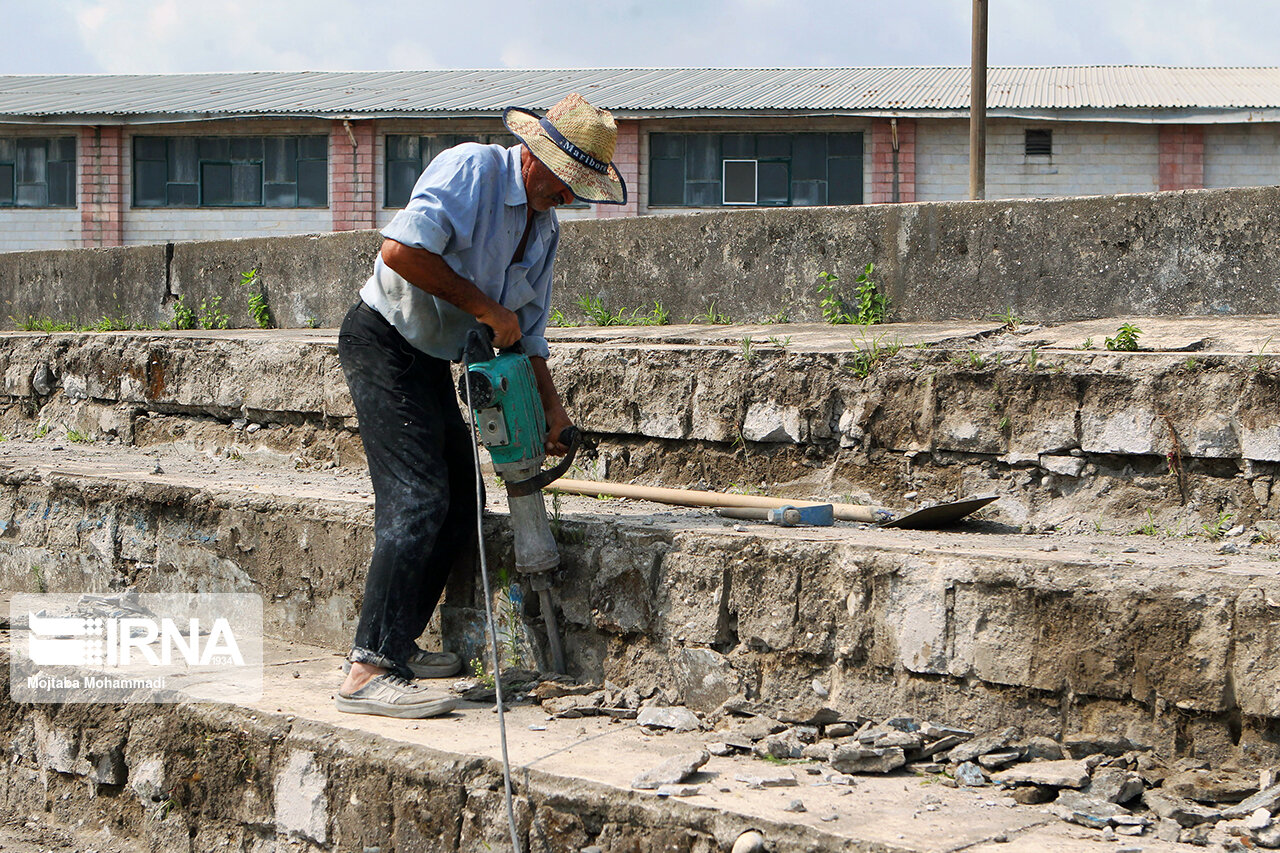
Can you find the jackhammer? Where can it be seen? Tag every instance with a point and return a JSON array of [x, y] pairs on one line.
[[502, 393]]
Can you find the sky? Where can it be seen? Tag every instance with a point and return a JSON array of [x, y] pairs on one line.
[[170, 36]]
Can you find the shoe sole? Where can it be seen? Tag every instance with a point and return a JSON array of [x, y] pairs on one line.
[[422, 671], [419, 711]]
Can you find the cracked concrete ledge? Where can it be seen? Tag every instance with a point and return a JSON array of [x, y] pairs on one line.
[[291, 773], [1170, 644], [1186, 429]]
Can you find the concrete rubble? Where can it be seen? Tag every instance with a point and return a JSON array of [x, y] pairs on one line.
[[1027, 681]]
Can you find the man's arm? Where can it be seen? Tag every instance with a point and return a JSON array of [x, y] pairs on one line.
[[557, 417], [428, 271]]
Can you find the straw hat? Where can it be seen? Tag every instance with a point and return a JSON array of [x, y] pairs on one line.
[[576, 142]]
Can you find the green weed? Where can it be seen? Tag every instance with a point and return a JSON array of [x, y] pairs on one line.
[[211, 314], [713, 317], [1218, 528], [183, 317], [870, 354], [1010, 320], [1126, 339], [873, 306], [833, 310]]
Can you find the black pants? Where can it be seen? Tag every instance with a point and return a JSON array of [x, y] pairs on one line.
[[419, 452]]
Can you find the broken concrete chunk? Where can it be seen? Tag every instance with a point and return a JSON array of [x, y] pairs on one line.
[[1268, 799], [782, 745], [1075, 807], [675, 718], [1114, 785], [970, 775], [1185, 812], [781, 779], [936, 730], [1042, 749], [853, 758], [981, 746], [679, 790], [821, 751], [901, 739], [758, 728], [673, 771], [992, 760], [1056, 774], [1212, 786]]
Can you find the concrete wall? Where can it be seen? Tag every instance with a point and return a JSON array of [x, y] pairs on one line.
[[1195, 252]]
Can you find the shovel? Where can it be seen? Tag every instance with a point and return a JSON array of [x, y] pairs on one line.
[[931, 518]]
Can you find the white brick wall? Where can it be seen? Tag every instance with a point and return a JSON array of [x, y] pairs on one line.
[[1088, 159], [24, 229], [1241, 155], [169, 225]]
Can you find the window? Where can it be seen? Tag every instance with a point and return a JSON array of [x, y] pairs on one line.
[[760, 169], [1038, 143], [37, 172], [230, 171], [408, 156]]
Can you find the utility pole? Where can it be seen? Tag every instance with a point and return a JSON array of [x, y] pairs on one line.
[[978, 104]]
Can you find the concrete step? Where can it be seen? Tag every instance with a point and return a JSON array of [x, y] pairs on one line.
[[292, 773], [1069, 437], [1168, 640]]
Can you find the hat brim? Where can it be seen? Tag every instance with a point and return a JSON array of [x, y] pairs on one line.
[[585, 183]]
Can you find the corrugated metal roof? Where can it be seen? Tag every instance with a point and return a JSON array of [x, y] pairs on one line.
[[639, 90]]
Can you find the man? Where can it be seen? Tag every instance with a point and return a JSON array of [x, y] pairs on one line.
[[476, 244]]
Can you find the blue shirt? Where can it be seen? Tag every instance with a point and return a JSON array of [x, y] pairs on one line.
[[469, 207]]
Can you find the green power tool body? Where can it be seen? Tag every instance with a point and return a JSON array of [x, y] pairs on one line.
[[502, 393]]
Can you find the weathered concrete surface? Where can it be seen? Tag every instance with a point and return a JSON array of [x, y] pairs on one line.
[[1195, 252], [291, 773], [1201, 252], [84, 285], [1170, 645], [1187, 429]]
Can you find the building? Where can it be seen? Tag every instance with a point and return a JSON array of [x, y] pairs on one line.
[[106, 160]]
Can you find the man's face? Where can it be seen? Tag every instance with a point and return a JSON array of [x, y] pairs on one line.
[[544, 189]]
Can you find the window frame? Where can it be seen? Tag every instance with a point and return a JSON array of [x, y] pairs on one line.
[[1044, 139], [504, 138], [201, 161], [670, 154], [51, 145]]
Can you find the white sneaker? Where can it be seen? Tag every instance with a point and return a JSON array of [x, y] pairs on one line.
[[390, 695], [434, 664]]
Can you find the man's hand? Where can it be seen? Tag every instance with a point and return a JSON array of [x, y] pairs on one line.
[[505, 325], [429, 272], [557, 422]]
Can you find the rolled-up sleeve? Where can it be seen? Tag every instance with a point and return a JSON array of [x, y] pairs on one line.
[[441, 214]]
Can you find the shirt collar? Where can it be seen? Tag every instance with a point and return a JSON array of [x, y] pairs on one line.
[[516, 194]]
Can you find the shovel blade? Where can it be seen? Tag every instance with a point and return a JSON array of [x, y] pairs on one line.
[[941, 515]]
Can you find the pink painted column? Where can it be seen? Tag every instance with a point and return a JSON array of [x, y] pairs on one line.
[[1181, 157], [100, 177], [352, 178], [626, 157], [882, 169]]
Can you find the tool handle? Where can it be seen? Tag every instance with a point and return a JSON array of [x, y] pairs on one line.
[[571, 436]]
